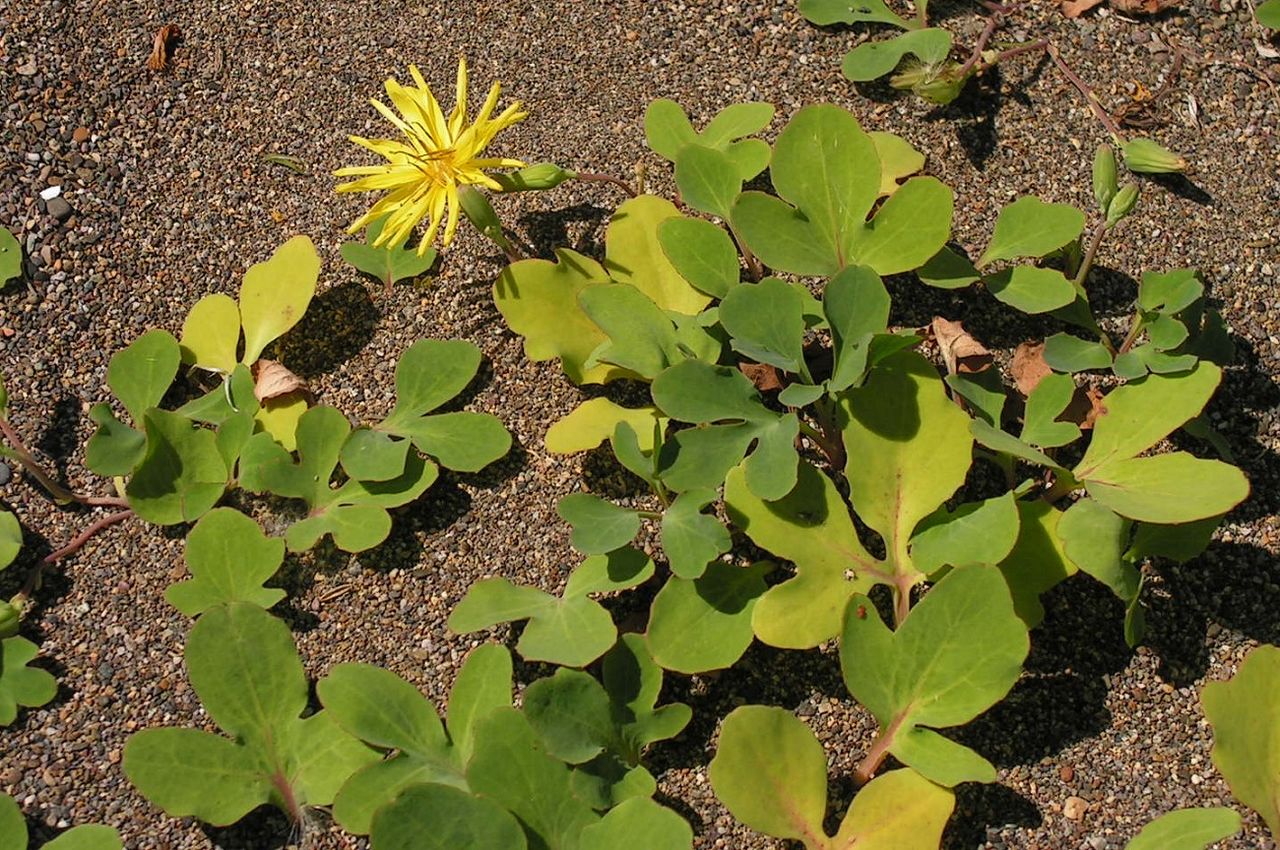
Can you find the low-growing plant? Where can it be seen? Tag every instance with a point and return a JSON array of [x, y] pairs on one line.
[[379, 754], [21, 685]]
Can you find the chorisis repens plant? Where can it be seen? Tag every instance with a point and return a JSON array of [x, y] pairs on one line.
[[783, 399]]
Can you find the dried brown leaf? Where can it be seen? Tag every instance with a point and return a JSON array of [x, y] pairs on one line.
[[764, 376], [1143, 7], [165, 36], [272, 380], [1076, 8], [1028, 367], [960, 351]]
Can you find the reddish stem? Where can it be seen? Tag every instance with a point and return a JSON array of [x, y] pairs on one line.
[[607, 178]]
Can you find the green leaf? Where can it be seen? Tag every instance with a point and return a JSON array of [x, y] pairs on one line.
[[642, 339], [370, 455], [633, 255], [599, 526], [810, 527], [391, 262], [10, 538], [702, 253], [1031, 228], [898, 160], [572, 715], [984, 391], [948, 270], [873, 59], [1095, 540], [705, 623], [140, 373], [637, 824], [667, 129], [384, 710], [1168, 488], [857, 307], [245, 669], [10, 256], [115, 448], [1032, 290], [1048, 401], [539, 301], [1245, 715], [766, 321], [690, 538], [735, 121], [827, 167], [944, 761], [438, 817], [827, 12], [707, 178], [955, 655], [1268, 14], [1067, 353], [909, 448], [1000, 441], [572, 630], [181, 476], [633, 681], [511, 767], [1187, 829], [20, 684], [13, 826], [275, 294], [1142, 413], [975, 533], [697, 392], [430, 373], [595, 420], [229, 558], [782, 236], [211, 334], [895, 810], [1037, 562], [771, 773]]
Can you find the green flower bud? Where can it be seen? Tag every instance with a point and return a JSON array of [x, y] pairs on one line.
[[1146, 157], [9, 618], [1105, 184], [1122, 204], [476, 207], [544, 175]]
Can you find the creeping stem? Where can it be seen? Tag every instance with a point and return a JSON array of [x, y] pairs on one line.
[[591, 177]]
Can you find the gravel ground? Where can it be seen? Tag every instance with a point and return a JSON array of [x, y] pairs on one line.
[[167, 198]]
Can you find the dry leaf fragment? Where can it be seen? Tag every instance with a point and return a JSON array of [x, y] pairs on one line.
[[165, 37], [764, 376], [272, 380], [1143, 7], [1028, 367], [1076, 8], [960, 351]]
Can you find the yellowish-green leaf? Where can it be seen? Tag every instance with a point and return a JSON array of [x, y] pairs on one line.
[[276, 293], [634, 255], [211, 334], [594, 421], [898, 160]]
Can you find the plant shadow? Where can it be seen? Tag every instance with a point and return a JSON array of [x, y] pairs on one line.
[[337, 326], [575, 227]]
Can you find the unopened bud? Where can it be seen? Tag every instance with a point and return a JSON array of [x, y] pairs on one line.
[[1105, 184], [544, 175], [1147, 157], [476, 207], [1122, 204]]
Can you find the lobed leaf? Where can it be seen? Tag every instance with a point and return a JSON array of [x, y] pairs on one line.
[[389, 263], [229, 558], [873, 59], [633, 255], [702, 253], [690, 538], [439, 817], [599, 526], [22, 685], [702, 624], [211, 334], [142, 372], [595, 420], [275, 294], [182, 474]]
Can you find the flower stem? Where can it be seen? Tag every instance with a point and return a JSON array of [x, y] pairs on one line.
[[1086, 92], [591, 177], [23, 455]]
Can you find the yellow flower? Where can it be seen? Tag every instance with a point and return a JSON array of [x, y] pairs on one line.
[[423, 171]]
